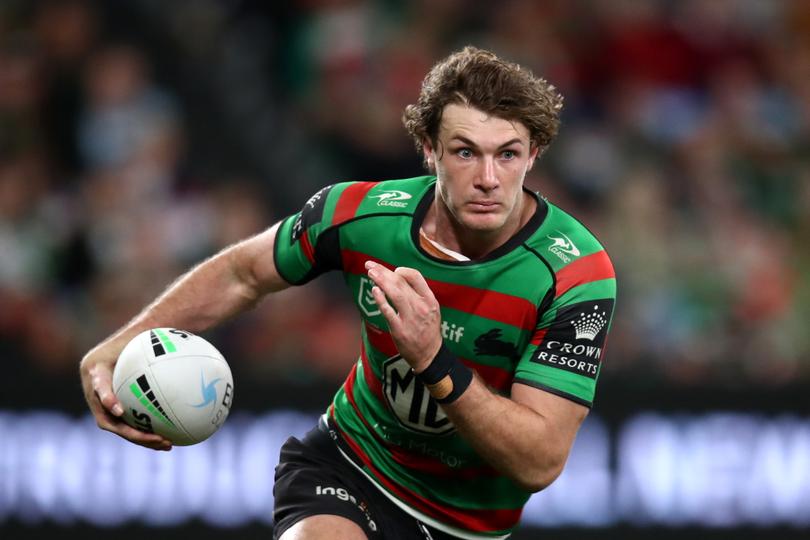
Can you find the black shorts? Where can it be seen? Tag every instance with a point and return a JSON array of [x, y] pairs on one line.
[[313, 478]]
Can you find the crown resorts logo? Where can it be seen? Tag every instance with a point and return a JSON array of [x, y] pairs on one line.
[[574, 340], [588, 326]]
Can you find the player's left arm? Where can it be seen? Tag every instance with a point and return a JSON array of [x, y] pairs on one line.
[[527, 437]]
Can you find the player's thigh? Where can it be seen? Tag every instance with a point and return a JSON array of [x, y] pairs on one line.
[[324, 527], [314, 481]]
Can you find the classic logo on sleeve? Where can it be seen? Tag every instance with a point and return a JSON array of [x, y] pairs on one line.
[[563, 247], [575, 339], [392, 197]]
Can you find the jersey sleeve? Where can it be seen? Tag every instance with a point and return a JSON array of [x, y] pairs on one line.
[[306, 244], [568, 346]]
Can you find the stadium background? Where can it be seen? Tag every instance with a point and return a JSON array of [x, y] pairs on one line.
[[138, 137]]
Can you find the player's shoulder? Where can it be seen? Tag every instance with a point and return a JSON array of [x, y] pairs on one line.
[[562, 239], [346, 201]]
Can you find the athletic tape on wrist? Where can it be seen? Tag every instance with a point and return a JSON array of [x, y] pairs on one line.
[[446, 378]]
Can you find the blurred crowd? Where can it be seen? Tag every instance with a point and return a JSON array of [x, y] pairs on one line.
[[685, 146]]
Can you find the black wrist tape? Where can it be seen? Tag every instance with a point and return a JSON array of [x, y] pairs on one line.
[[446, 378]]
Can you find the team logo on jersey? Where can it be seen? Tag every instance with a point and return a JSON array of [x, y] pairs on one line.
[[490, 344], [563, 247], [365, 299], [392, 197], [410, 401], [311, 213], [575, 340]]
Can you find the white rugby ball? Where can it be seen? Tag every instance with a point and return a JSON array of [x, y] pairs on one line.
[[173, 383]]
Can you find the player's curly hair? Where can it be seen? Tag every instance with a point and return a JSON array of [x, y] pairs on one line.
[[481, 79]]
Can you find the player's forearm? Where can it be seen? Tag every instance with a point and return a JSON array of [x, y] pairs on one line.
[[511, 437], [208, 294], [212, 292]]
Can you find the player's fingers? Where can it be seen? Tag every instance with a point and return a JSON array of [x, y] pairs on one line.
[[149, 440], [416, 280], [386, 308], [102, 385], [107, 411], [381, 275], [113, 424], [391, 285]]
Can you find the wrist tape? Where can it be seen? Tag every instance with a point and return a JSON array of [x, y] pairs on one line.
[[446, 378]]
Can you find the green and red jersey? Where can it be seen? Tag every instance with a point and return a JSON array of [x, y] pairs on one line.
[[535, 311]]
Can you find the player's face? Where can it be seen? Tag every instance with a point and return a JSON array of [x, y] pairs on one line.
[[481, 162]]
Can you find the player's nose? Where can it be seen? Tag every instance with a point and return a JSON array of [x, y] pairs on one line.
[[487, 177]]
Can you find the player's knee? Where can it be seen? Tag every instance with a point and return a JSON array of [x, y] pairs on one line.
[[324, 527]]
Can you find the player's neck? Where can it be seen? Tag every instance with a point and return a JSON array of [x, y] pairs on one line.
[[440, 227]]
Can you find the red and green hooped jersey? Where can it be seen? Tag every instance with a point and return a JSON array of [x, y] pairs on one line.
[[535, 311]]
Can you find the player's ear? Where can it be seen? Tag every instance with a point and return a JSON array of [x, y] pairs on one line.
[[429, 153], [534, 153]]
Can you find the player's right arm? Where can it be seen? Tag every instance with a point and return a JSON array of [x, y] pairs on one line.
[[230, 282]]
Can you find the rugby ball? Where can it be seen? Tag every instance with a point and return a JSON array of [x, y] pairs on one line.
[[173, 383]]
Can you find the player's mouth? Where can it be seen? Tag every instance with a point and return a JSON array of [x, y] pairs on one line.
[[483, 206]]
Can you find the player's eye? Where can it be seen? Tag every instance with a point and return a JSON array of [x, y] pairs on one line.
[[464, 153], [509, 154]]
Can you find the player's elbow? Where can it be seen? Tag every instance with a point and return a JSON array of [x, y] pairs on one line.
[[542, 475]]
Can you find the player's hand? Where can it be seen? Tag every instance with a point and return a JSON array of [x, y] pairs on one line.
[[411, 310], [96, 371]]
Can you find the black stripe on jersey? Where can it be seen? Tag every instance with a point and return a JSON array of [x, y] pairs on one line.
[[327, 254], [552, 292], [311, 213], [554, 391]]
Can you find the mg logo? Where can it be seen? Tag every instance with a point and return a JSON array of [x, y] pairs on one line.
[[366, 300], [411, 402]]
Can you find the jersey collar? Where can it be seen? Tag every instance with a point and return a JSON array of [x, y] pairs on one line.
[[517, 239]]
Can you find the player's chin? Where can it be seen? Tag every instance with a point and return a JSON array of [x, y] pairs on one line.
[[484, 221]]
